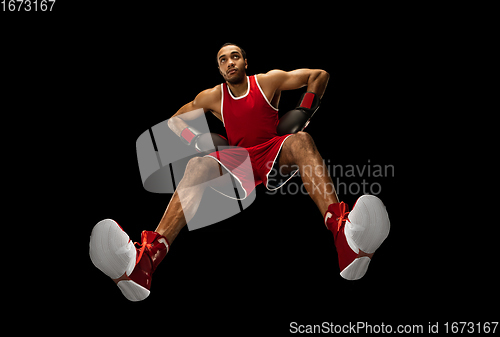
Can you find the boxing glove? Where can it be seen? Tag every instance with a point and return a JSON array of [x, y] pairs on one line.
[[202, 142], [297, 119]]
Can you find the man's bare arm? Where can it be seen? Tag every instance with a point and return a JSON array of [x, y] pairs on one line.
[[315, 79], [205, 101]]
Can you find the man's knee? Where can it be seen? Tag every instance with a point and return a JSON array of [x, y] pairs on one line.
[[304, 142], [304, 136], [297, 149], [203, 168]]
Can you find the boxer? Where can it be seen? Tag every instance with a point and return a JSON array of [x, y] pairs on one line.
[[248, 107]]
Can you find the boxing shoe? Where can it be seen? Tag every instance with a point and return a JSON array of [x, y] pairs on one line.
[[358, 233], [112, 252]]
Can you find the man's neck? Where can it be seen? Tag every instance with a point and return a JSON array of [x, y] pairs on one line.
[[239, 89]]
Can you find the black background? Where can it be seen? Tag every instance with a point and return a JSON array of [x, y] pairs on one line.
[[97, 77]]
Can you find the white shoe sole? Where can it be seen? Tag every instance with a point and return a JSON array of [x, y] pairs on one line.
[[357, 269], [113, 253], [367, 228], [132, 291]]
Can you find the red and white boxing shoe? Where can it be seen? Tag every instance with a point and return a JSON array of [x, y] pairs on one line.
[[358, 233], [112, 252]]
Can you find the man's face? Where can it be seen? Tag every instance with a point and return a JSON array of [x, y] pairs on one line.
[[231, 64]]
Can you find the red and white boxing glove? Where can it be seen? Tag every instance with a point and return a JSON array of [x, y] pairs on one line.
[[202, 142], [297, 119]]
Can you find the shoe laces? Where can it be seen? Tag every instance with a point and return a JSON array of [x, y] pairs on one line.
[[143, 245], [342, 219], [339, 210]]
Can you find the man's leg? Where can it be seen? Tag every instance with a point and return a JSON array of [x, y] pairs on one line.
[[112, 251], [300, 150], [187, 196], [355, 247]]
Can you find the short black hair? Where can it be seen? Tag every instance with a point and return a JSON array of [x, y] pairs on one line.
[[243, 53]]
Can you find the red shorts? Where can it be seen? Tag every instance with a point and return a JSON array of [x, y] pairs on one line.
[[252, 166]]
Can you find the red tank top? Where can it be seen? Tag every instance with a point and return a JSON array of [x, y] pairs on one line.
[[249, 119]]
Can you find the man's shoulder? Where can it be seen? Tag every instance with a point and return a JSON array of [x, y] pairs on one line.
[[270, 81], [272, 77], [209, 99], [212, 91], [210, 94]]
